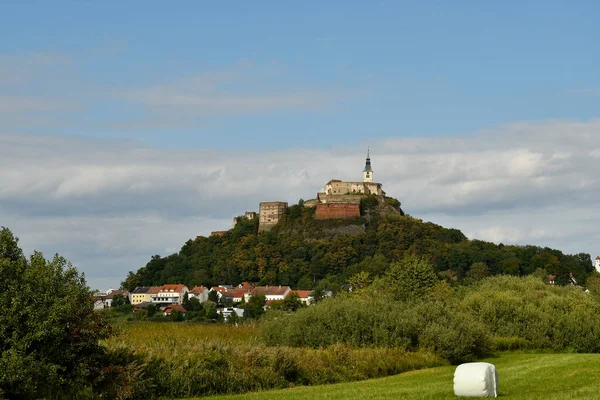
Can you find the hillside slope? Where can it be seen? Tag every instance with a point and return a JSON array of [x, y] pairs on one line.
[[303, 252]]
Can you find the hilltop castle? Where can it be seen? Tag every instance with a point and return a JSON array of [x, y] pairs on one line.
[[337, 200]]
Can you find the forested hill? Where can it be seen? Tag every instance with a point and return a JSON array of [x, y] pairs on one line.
[[305, 253]]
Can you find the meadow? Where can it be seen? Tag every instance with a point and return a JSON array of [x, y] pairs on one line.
[[187, 359], [521, 376]]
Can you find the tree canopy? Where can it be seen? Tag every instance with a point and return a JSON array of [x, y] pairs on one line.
[[49, 335], [301, 252]]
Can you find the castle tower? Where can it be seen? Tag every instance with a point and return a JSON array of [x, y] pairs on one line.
[[368, 171], [598, 263]]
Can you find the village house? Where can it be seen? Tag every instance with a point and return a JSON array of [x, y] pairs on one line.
[[169, 294], [270, 292], [305, 296], [174, 307], [200, 293], [141, 294], [104, 300]]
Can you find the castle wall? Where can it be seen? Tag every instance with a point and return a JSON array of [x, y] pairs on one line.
[[336, 187], [337, 211], [340, 199], [310, 203], [270, 214]]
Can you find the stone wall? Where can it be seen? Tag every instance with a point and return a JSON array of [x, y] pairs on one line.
[[270, 213], [310, 203], [339, 198], [337, 211]]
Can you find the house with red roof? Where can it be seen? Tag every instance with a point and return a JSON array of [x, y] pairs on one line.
[[174, 307], [270, 292], [169, 294], [305, 296], [200, 293]]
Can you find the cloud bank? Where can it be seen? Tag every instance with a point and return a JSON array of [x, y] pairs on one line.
[[109, 205]]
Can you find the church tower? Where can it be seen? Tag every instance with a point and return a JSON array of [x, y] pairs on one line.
[[368, 171], [598, 263]]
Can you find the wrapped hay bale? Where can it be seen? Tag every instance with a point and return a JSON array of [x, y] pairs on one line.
[[478, 379]]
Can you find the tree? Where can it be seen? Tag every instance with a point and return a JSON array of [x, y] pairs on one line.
[[213, 296], [50, 334], [477, 272], [292, 302], [186, 302], [210, 310], [119, 300], [359, 281], [131, 282], [510, 266], [254, 308], [410, 277], [151, 310], [194, 305]]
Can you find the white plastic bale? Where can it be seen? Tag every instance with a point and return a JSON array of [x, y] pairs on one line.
[[478, 379]]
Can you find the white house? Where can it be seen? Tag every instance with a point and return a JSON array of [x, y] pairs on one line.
[[598, 263], [270, 292], [104, 300], [169, 294], [305, 296], [200, 293]]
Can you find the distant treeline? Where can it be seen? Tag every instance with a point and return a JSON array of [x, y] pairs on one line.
[[304, 253]]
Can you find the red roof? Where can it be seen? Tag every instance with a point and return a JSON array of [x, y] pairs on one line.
[[219, 289], [198, 289], [332, 181], [270, 290], [303, 294], [245, 285], [153, 290], [598, 258], [113, 293], [172, 287], [236, 293], [174, 307]]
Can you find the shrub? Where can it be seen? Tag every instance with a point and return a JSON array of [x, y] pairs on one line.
[[49, 335], [375, 322]]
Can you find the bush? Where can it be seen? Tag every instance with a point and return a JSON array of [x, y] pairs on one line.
[[49, 335], [535, 315], [364, 322]]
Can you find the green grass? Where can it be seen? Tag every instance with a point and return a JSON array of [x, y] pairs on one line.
[[521, 376]]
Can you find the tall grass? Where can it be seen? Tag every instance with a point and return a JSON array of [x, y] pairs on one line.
[[183, 360]]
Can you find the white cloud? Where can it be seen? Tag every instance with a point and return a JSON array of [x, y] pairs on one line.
[[229, 92], [110, 205]]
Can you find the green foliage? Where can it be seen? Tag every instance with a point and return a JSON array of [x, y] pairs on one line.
[[375, 322], [213, 359], [368, 204], [540, 315], [301, 251], [210, 310], [151, 310], [411, 277], [119, 300], [522, 377], [49, 335], [254, 308], [477, 272]]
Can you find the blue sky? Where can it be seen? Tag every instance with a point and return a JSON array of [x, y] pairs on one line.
[[352, 70], [481, 116]]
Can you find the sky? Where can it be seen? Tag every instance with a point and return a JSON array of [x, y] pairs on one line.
[[127, 128]]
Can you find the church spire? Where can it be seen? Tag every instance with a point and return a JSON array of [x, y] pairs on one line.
[[368, 171]]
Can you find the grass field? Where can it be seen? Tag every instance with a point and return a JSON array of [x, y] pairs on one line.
[[521, 376], [169, 339]]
